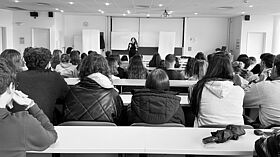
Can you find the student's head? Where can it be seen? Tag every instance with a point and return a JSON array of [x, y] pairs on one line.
[[7, 81], [155, 62], [237, 67], [189, 67], [92, 52], [220, 67], [200, 68], [170, 61], [200, 56], [113, 65], [276, 68], [136, 69], [68, 50], [124, 58], [65, 58], [245, 59], [37, 58], [75, 57], [14, 57], [57, 53], [83, 55], [108, 53], [158, 80], [252, 60], [218, 50], [94, 64], [267, 61]]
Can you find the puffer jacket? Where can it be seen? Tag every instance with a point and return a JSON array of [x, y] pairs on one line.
[[155, 107], [91, 101]]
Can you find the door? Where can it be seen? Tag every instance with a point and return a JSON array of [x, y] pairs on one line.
[[255, 43], [41, 37]]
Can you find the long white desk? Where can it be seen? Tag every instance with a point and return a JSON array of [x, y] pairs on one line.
[[150, 140], [127, 99], [136, 82]]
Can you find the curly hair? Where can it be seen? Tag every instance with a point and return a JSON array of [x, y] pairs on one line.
[[14, 57], [7, 74], [37, 58], [94, 64], [136, 69]]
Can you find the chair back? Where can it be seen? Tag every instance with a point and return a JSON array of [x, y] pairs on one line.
[[87, 123], [158, 125]]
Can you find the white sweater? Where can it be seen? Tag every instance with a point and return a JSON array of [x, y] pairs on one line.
[[221, 104], [265, 96]]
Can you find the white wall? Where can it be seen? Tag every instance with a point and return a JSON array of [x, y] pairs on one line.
[[25, 29], [74, 24], [235, 36], [6, 20], [258, 23], [205, 34]]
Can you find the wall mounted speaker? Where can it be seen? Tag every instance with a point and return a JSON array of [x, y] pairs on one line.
[[50, 14], [247, 17], [34, 14]]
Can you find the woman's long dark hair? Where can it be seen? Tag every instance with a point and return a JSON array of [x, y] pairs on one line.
[[219, 69], [136, 69]]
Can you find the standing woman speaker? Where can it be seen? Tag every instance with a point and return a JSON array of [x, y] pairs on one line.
[[132, 47]]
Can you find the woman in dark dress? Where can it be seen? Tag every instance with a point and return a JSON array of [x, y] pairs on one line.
[[132, 47]]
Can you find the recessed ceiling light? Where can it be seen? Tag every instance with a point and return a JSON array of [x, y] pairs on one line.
[[16, 1], [71, 3], [148, 15], [251, 6], [170, 12], [160, 5], [195, 13], [128, 11], [62, 11], [124, 14], [243, 12], [107, 3], [56, 9]]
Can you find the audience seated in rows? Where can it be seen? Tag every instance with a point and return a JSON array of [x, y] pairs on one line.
[[65, 68], [44, 86], [28, 130], [155, 104], [265, 96], [94, 98], [136, 69], [169, 68], [214, 99], [55, 58], [155, 61], [14, 57]]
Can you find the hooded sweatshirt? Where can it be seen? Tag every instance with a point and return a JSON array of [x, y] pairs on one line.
[[155, 107], [221, 104], [67, 70]]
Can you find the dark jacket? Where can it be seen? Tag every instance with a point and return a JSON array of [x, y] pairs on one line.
[[89, 101], [21, 132], [46, 88], [174, 75], [155, 107]]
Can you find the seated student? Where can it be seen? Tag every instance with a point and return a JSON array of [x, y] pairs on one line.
[[28, 130], [169, 68], [265, 96], [55, 58], [113, 66], [199, 70], [155, 104], [253, 63], [121, 71], [188, 72], [75, 57], [124, 62], [14, 57], [215, 100], [44, 86], [94, 98], [65, 68], [155, 61], [266, 66], [136, 69]]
